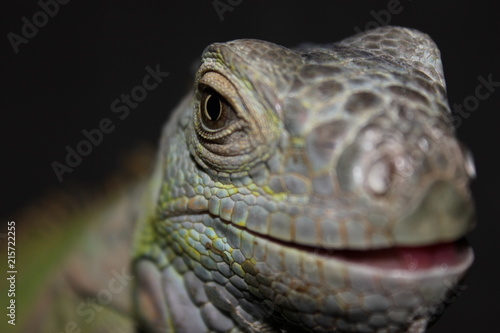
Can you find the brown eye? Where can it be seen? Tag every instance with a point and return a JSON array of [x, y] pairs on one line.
[[216, 112]]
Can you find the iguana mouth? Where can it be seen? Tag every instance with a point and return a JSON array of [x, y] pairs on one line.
[[411, 258], [418, 258]]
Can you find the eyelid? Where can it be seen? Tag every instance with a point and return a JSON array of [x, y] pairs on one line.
[[220, 84]]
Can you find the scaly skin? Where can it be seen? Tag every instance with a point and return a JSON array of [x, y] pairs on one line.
[[320, 189], [283, 162]]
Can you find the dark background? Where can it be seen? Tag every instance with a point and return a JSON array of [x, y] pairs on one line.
[[66, 77]]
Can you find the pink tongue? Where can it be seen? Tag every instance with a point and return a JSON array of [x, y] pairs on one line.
[[414, 258], [407, 258]]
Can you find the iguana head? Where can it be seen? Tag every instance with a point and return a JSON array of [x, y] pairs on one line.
[[321, 187]]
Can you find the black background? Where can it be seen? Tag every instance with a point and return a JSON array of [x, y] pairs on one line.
[[89, 53]]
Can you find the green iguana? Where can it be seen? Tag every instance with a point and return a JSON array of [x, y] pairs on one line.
[[319, 189]]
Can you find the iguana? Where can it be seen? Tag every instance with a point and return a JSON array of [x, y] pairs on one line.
[[317, 189]]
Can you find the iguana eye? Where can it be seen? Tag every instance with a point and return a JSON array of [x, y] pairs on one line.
[[216, 113], [231, 129]]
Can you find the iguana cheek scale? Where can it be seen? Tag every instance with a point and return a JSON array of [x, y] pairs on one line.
[[320, 189]]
